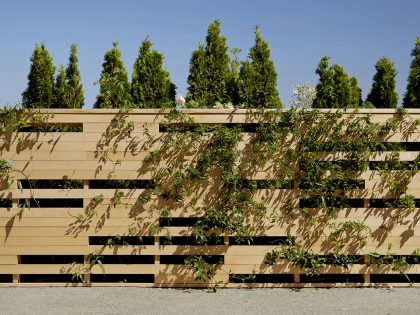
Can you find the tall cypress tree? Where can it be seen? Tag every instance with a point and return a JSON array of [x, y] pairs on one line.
[[40, 90], [342, 87], [209, 69], [325, 87], [246, 83], [258, 77], [75, 88], [197, 78], [151, 86], [217, 65], [114, 87], [355, 94], [382, 93], [233, 82], [60, 90], [334, 88], [412, 95]]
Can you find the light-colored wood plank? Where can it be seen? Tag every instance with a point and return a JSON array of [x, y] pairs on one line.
[[44, 240], [8, 260], [177, 250]]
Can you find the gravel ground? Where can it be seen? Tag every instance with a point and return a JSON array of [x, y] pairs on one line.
[[224, 301]]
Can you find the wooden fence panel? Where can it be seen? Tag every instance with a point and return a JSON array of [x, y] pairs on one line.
[[65, 237]]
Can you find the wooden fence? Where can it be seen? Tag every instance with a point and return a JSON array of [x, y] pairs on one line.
[[81, 230]]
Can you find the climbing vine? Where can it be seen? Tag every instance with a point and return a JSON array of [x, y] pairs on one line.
[[322, 157]]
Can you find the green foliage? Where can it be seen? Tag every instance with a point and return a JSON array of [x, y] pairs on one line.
[[60, 89], [116, 199], [396, 262], [217, 65], [75, 98], [246, 82], [77, 272], [151, 86], [298, 256], [40, 90], [5, 170], [98, 199], [355, 98], [233, 82], [197, 82], [335, 89], [14, 118], [114, 87], [352, 229], [382, 93], [202, 270], [412, 95], [209, 70], [96, 260], [257, 83]]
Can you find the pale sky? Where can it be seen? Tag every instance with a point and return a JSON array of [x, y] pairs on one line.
[[354, 33]]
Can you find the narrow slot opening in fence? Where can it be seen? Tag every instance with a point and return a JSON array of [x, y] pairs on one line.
[[121, 184], [190, 240], [316, 146], [348, 259], [317, 202], [180, 259], [121, 240], [349, 183], [261, 278], [258, 240], [126, 259], [51, 259], [5, 203], [51, 184], [332, 278], [45, 278], [394, 278], [176, 127], [52, 127], [5, 278], [123, 278], [176, 221], [392, 203], [52, 203]]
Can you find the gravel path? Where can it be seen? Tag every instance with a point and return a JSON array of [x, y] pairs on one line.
[[200, 302]]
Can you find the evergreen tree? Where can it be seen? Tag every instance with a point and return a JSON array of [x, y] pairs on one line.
[[246, 83], [114, 87], [75, 89], [217, 65], [233, 81], [40, 90], [355, 94], [60, 90], [335, 89], [197, 78], [151, 86], [382, 93], [210, 70], [342, 86], [412, 95], [258, 78], [325, 87]]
